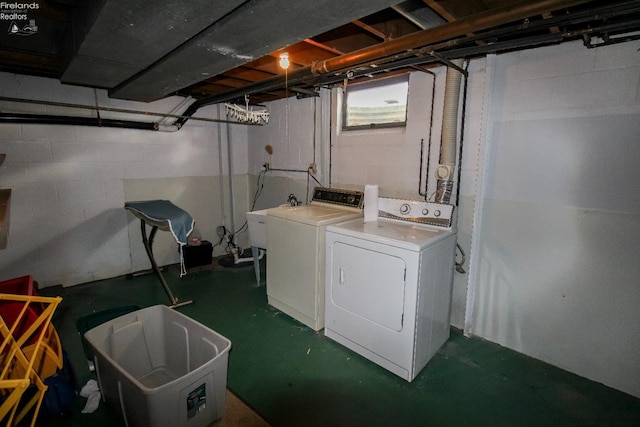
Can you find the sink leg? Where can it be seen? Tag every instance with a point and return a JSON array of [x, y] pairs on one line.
[[255, 252]]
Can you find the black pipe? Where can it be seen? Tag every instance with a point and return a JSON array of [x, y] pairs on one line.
[[426, 181], [276, 82], [303, 75], [190, 111], [450, 54], [420, 169], [449, 51], [462, 123], [44, 119]]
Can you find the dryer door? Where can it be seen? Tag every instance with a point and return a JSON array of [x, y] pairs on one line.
[[369, 284]]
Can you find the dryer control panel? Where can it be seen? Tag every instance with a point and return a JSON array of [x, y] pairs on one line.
[[416, 211]]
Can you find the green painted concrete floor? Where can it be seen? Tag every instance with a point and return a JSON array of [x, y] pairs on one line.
[[293, 376]]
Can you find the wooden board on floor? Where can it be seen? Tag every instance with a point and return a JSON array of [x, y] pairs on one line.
[[238, 414]]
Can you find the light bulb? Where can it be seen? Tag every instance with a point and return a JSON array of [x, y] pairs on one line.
[[284, 60]]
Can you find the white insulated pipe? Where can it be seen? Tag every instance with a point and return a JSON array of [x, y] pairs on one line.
[[448, 143], [450, 115]]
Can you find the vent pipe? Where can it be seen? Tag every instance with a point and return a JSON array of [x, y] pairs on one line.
[[446, 168]]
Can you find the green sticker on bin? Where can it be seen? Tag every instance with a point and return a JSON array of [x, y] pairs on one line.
[[196, 401]]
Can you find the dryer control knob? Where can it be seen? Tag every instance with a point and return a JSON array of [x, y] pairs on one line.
[[405, 208], [425, 211], [436, 213]]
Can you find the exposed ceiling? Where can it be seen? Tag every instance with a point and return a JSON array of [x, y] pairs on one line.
[[218, 51]]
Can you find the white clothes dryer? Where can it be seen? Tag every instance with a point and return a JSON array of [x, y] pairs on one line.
[[389, 283]]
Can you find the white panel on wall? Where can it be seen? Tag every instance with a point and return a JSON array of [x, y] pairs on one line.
[[559, 284], [605, 88], [558, 252], [588, 162]]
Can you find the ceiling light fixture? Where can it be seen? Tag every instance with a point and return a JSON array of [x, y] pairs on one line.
[[284, 60]]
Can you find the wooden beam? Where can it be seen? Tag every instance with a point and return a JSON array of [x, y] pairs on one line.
[[370, 29], [440, 10], [452, 10], [324, 47], [470, 24]]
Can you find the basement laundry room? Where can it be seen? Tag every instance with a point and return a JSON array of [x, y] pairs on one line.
[[320, 213]]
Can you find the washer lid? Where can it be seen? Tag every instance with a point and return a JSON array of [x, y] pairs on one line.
[[392, 233], [314, 214]]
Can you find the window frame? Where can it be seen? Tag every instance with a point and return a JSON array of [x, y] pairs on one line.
[[404, 78]]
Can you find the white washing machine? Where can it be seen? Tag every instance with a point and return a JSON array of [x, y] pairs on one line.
[[296, 252], [389, 283]]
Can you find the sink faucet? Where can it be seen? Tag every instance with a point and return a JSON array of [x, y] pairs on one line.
[[292, 200]]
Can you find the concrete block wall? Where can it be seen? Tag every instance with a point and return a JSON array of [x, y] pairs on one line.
[[390, 157], [294, 136], [68, 225]]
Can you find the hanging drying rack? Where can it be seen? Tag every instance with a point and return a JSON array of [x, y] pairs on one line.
[[247, 114]]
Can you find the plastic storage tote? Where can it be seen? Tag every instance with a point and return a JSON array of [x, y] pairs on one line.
[[158, 367], [92, 320]]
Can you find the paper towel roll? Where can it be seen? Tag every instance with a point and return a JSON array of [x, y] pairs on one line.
[[370, 203]]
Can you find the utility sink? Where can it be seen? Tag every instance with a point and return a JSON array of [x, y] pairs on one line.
[[257, 222]]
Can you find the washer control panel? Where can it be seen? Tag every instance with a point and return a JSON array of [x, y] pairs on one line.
[[336, 196], [415, 211]]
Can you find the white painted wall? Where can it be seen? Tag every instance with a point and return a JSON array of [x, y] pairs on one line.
[[296, 142], [548, 199], [68, 225], [388, 157], [558, 263]]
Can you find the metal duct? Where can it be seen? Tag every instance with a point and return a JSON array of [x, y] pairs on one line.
[[450, 117], [113, 40]]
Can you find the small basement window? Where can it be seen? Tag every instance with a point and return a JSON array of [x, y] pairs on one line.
[[382, 103]]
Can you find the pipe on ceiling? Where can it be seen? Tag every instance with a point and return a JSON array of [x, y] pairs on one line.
[[51, 119], [470, 24], [442, 33], [45, 119]]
